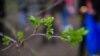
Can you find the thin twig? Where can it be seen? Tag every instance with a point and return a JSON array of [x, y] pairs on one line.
[[39, 34], [49, 7], [7, 47], [30, 36], [9, 26], [57, 37], [11, 39]]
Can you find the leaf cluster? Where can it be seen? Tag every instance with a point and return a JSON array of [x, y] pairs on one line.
[[71, 35]]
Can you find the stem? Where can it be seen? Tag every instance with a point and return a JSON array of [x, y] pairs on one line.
[[7, 47], [39, 34], [11, 39], [11, 28], [18, 45]]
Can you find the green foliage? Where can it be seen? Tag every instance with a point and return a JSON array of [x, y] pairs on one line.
[[51, 30], [6, 40], [73, 36], [64, 36], [49, 33], [48, 21], [76, 36], [83, 31], [20, 36], [35, 22]]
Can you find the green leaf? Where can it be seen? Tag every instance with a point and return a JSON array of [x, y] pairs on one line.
[[35, 22], [49, 32], [48, 21], [64, 36], [76, 36], [49, 36], [20, 36], [85, 32], [52, 31], [64, 39], [32, 18], [6, 40], [67, 34]]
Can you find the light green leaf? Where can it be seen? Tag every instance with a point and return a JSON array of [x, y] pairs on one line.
[[6, 40], [35, 22], [85, 32], [32, 18], [51, 31], [48, 21], [20, 36]]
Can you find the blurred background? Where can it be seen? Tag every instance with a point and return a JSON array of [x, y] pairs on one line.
[[75, 13]]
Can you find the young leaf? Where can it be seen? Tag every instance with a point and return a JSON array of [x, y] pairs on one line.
[[20, 36], [49, 36], [77, 35], [49, 32], [6, 41], [48, 21], [64, 36], [52, 31], [35, 22], [32, 18], [85, 32]]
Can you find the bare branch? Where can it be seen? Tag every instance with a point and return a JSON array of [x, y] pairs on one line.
[[7, 47], [57, 37], [11, 39], [49, 7], [39, 34], [9, 26], [30, 36]]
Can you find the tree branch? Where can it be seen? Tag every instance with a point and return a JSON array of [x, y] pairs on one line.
[[30, 36], [39, 34], [9, 26], [49, 7], [11, 39], [7, 47]]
